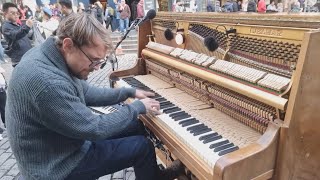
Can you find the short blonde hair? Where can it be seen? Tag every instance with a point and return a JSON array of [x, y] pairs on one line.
[[82, 28]]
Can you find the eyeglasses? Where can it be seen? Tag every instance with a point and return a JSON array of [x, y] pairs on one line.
[[93, 63]]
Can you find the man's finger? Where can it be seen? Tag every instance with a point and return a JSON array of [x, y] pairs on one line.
[[147, 93]]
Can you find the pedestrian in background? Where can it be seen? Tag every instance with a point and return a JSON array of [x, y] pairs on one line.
[[108, 15], [48, 24], [262, 6], [15, 35], [99, 12], [65, 7], [125, 14], [80, 8], [252, 6], [140, 10], [28, 12], [3, 98]]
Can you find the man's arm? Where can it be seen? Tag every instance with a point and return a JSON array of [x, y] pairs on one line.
[[96, 96], [62, 111], [15, 34]]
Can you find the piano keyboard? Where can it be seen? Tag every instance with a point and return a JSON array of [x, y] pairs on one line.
[[208, 132], [104, 109]]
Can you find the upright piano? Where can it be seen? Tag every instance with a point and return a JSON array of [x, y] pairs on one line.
[[249, 109]]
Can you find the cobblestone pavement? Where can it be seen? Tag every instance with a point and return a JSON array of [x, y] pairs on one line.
[[8, 166]]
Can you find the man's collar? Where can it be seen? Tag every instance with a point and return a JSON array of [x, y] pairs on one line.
[[53, 53]]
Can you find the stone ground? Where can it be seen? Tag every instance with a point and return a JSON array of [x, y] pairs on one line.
[[8, 166]]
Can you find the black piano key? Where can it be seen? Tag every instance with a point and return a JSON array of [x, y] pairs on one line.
[[207, 136], [223, 152], [155, 96], [211, 139], [194, 127], [137, 85], [192, 130], [173, 115], [202, 132], [171, 110], [165, 102], [178, 118], [198, 129], [219, 144], [128, 79], [162, 99], [166, 106], [181, 117], [189, 122], [220, 148]]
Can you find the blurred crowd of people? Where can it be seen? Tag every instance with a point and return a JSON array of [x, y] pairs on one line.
[[260, 6]]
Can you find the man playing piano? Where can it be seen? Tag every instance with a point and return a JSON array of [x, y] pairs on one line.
[[52, 132]]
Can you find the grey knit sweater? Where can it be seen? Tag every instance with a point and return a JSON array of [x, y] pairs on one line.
[[49, 124]]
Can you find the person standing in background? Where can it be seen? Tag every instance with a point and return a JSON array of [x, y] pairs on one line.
[[15, 35], [108, 15], [99, 12], [38, 14], [134, 13], [280, 7], [252, 6], [49, 24], [55, 11], [272, 7], [235, 6], [65, 7], [262, 6], [22, 11], [81, 8], [28, 12], [140, 10], [3, 98], [239, 6], [125, 13]]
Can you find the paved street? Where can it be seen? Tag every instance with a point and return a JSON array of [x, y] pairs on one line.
[[8, 166]]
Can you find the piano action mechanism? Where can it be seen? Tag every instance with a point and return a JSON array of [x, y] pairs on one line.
[[245, 111]]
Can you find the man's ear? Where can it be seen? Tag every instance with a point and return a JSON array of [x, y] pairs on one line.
[[68, 45]]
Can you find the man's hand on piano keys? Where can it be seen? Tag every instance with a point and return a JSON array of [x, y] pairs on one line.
[[140, 94], [151, 105]]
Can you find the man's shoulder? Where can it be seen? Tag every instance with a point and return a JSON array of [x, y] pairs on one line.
[[36, 64], [8, 24], [35, 75]]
